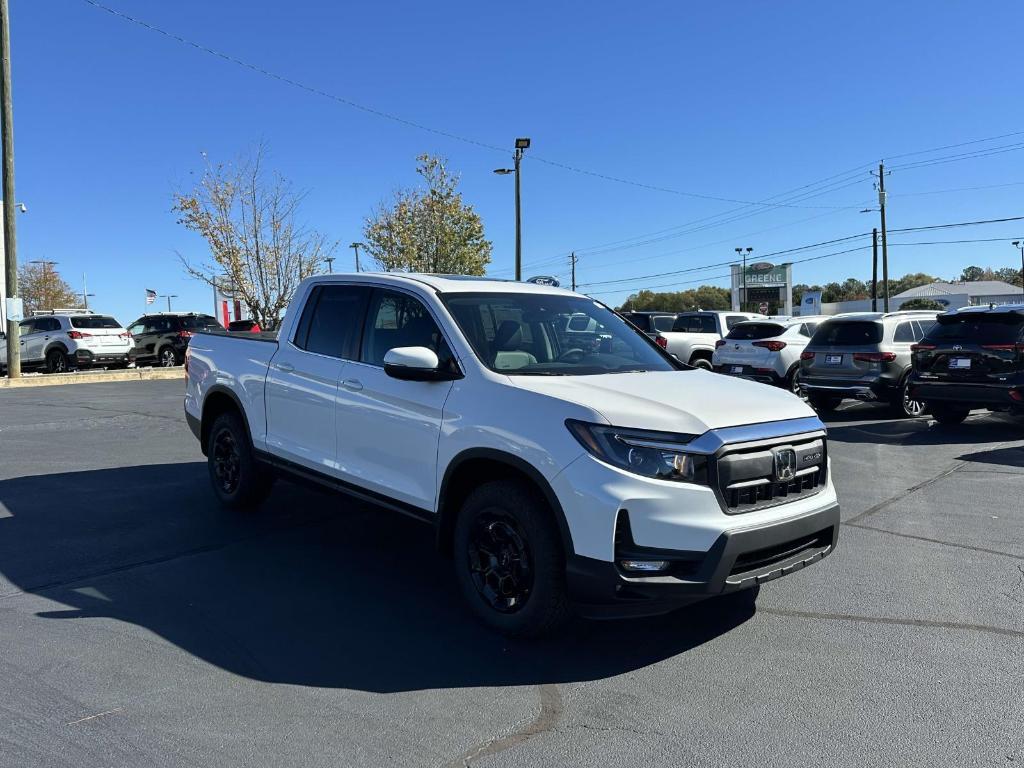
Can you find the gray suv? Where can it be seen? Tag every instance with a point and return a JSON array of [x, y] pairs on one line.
[[864, 356]]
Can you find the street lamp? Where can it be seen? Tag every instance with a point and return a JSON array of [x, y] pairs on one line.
[[1020, 245], [355, 247], [330, 264], [168, 296], [744, 252], [521, 146]]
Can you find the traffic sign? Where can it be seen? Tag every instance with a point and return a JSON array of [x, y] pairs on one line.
[[763, 308]]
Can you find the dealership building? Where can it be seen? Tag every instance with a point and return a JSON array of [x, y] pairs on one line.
[[762, 287]]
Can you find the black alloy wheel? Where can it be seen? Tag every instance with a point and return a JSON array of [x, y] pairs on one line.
[[226, 461], [167, 358], [500, 562]]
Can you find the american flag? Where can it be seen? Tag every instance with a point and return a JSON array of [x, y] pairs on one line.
[[150, 296]]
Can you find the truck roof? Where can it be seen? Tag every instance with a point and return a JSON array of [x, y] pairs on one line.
[[445, 283]]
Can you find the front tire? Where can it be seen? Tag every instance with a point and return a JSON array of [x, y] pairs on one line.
[[56, 362], [509, 561], [949, 415], [238, 480]]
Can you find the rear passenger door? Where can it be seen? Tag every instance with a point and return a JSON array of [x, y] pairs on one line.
[[388, 429], [302, 382]]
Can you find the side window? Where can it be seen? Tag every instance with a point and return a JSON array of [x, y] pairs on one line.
[[398, 320], [707, 323], [731, 320], [904, 333], [136, 329], [26, 327], [333, 318], [922, 327]]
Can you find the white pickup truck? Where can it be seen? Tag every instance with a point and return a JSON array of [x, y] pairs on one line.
[[563, 471], [694, 335]]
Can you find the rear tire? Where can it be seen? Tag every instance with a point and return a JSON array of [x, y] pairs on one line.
[[238, 480], [793, 382], [56, 362], [509, 561], [701, 362], [902, 406], [949, 415], [824, 404]]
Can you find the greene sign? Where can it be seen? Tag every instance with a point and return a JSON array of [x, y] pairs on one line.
[[765, 274]]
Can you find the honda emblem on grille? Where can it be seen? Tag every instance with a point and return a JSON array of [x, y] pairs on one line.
[[785, 464]]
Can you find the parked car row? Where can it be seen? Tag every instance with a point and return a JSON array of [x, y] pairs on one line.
[[64, 339]]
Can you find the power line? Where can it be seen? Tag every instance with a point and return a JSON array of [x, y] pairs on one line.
[[963, 156], [955, 146], [412, 123], [960, 224], [956, 189]]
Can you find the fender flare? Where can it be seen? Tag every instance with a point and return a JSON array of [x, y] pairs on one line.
[[204, 423], [446, 517]]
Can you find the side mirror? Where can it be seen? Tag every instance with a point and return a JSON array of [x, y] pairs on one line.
[[415, 364]]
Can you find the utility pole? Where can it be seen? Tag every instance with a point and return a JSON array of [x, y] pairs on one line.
[[1020, 244], [330, 264], [874, 269], [572, 260], [356, 247], [7, 140], [885, 244]]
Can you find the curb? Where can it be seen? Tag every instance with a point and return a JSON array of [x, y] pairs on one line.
[[93, 377]]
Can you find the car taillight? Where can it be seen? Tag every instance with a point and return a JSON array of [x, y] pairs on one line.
[[1019, 347], [184, 334], [79, 335], [806, 355], [773, 346], [874, 357], [719, 343], [921, 347], [126, 335], [662, 342]]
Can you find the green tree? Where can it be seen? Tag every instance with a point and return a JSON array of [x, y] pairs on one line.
[[429, 229], [922, 304], [1011, 275], [257, 245], [972, 274]]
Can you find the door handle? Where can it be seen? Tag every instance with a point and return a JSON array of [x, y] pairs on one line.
[[286, 367], [352, 385]]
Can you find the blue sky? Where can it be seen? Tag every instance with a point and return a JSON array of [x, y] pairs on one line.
[[736, 100]]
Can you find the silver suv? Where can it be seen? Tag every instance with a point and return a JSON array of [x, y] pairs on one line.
[[865, 356]]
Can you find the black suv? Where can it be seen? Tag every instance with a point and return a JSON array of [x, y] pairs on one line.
[[651, 322], [161, 339], [972, 358]]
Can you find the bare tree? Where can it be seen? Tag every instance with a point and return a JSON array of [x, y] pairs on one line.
[[257, 248]]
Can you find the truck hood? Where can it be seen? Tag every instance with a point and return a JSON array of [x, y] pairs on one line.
[[690, 402]]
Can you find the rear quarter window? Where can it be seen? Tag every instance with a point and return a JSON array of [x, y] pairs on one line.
[[847, 333]]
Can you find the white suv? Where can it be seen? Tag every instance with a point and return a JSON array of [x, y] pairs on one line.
[[766, 350], [563, 459], [64, 339]]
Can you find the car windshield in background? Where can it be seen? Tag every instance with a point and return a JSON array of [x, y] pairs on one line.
[[551, 335], [751, 331], [196, 322], [847, 333], [979, 329], [94, 321]]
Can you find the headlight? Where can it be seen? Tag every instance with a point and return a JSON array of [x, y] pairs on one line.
[[661, 455]]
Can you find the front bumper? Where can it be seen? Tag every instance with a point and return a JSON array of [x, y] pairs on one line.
[[738, 559]]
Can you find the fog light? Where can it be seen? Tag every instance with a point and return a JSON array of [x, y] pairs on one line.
[[643, 566]]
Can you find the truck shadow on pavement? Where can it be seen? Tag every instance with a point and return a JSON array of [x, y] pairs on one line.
[[988, 428], [311, 589]]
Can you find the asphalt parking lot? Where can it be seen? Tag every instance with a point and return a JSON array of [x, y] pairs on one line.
[[142, 626]]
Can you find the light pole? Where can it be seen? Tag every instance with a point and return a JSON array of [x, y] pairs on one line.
[[85, 292], [1020, 245], [521, 146], [355, 247], [330, 264], [744, 253], [168, 296]]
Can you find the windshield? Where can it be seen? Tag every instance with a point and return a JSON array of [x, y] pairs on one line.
[[748, 331], [978, 328], [528, 334], [847, 334], [94, 321]]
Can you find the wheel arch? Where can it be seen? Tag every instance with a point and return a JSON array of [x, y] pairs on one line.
[[475, 466], [219, 400]]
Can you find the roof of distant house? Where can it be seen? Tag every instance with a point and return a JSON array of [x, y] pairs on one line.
[[971, 288]]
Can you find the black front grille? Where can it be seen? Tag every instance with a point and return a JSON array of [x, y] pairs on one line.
[[749, 478], [763, 558]]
